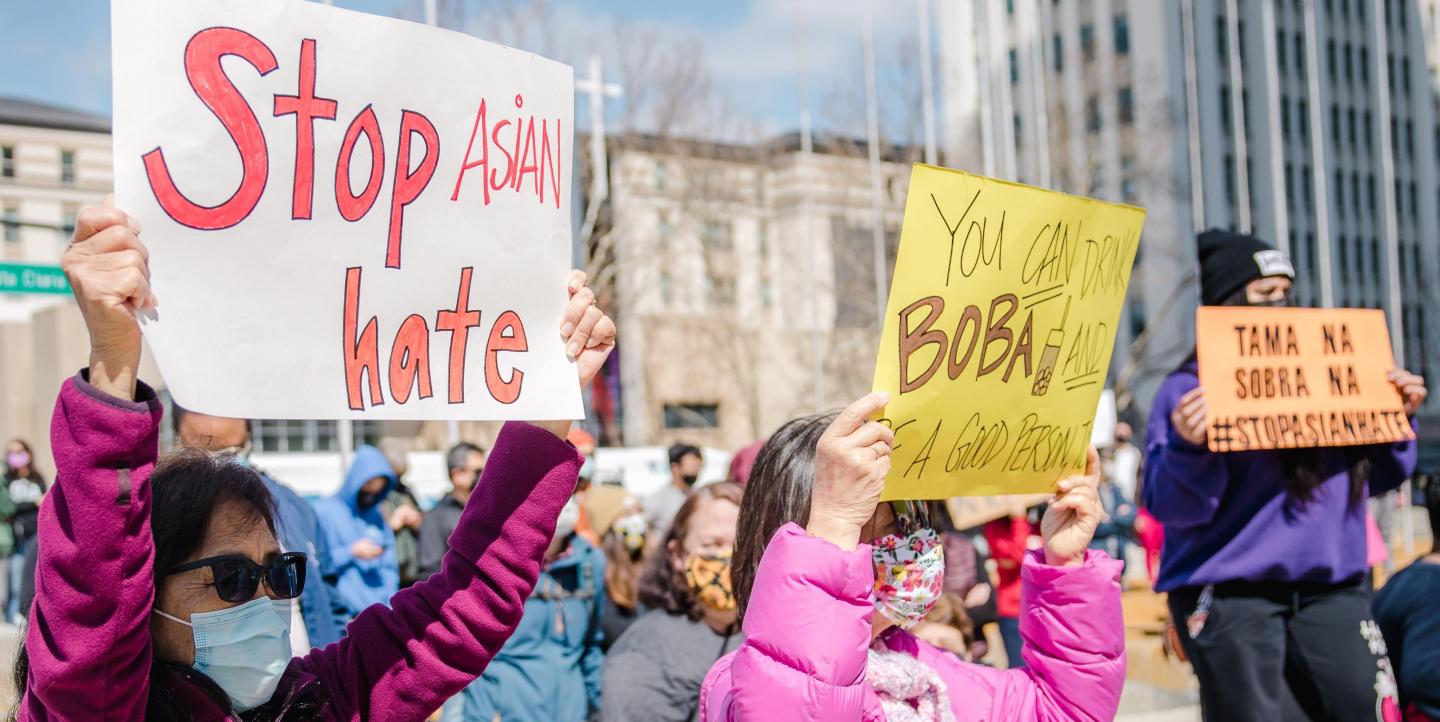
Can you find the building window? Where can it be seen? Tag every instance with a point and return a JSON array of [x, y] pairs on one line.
[[1087, 42], [1280, 49], [1225, 122], [1230, 179], [310, 436], [1349, 65], [1336, 128], [1127, 106], [1285, 117], [1222, 38], [7, 161], [1351, 117], [1340, 193], [1300, 54], [1405, 76], [1364, 68], [1014, 67], [67, 166], [11, 219], [1127, 179], [1059, 53], [1019, 125], [717, 236], [1092, 115], [67, 228], [1370, 191], [1309, 188], [1330, 58], [660, 174], [1122, 35], [1289, 188], [1302, 113], [1369, 132], [719, 290], [692, 416]]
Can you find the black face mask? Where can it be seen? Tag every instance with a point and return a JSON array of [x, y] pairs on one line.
[[367, 500], [689, 479]]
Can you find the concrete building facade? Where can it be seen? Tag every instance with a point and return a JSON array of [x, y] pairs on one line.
[[744, 282], [1309, 123]]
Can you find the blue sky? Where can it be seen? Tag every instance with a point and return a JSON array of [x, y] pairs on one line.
[[59, 51]]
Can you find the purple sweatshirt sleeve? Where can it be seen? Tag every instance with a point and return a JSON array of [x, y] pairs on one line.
[[403, 662], [1392, 464], [1183, 481], [89, 634]]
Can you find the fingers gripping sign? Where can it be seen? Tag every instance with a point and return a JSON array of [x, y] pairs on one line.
[[852, 459], [1070, 521], [109, 273]]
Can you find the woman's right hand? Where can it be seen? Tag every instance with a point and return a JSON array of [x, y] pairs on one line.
[[851, 462], [1191, 416], [109, 273]]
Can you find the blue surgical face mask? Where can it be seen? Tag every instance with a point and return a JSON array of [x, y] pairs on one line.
[[243, 649]]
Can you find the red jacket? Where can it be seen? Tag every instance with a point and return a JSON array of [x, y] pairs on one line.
[[1007, 538]]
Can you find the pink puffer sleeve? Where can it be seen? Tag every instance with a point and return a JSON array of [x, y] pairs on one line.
[[1074, 649], [806, 631]]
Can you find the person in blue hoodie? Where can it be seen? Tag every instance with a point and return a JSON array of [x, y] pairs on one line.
[[550, 668], [1264, 551], [364, 568]]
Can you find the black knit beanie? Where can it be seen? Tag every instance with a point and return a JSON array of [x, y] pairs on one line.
[[1229, 260]]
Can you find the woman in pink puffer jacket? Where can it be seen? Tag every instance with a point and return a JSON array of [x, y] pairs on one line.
[[825, 641]]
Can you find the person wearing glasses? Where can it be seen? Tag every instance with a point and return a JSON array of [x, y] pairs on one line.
[[163, 593], [313, 623], [829, 581]]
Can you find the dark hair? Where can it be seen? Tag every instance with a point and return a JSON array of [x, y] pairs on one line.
[[622, 570], [34, 475], [186, 488], [1305, 470], [661, 587], [680, 451], [456, 456], [778, 493]]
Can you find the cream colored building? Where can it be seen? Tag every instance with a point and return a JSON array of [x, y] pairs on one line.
[[53, 162], [744, 281]]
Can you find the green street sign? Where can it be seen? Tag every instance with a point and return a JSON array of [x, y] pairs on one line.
[[28, 278]]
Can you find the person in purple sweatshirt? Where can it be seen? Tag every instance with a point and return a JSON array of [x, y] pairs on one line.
[[1265, 550], [162, 593]]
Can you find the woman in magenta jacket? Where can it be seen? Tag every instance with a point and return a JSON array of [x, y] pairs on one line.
[[162, 592], [825, 603]]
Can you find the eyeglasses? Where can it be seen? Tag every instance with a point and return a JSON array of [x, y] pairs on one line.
[[236, 577]]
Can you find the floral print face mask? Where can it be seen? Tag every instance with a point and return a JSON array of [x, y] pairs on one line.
[[909, 575]]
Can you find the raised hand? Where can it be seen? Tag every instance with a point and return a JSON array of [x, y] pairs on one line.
[[109, 273], [1411, 388], [1069, 524], [851, 461], [589, 337], [1191, 416]]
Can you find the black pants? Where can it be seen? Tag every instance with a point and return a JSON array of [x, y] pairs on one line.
[[1287, 651]]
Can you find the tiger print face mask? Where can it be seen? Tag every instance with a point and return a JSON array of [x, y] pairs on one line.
[[709, 580]]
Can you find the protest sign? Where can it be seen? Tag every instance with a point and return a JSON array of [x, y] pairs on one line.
[[347, 215], [1284, 378], [998, 333], [971, 511]]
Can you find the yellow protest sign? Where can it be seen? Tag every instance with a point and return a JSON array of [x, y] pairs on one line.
[[998, 333]]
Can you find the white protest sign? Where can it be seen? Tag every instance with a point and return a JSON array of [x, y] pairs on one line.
[[347, 215]]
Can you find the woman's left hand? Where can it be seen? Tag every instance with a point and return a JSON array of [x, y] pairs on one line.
[[1070, 522], [1411, 388], [589, 337]]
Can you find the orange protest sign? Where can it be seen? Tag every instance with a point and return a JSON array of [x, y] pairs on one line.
[[1284, 378]]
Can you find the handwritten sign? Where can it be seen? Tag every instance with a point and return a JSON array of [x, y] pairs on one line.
[[348, 215], [998, 333], [1284, 378], [967, 512]]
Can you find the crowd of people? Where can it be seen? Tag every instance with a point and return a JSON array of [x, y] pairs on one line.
[[194, 585]]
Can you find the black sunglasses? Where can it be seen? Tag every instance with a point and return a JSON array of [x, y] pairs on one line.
[[237, 578]]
